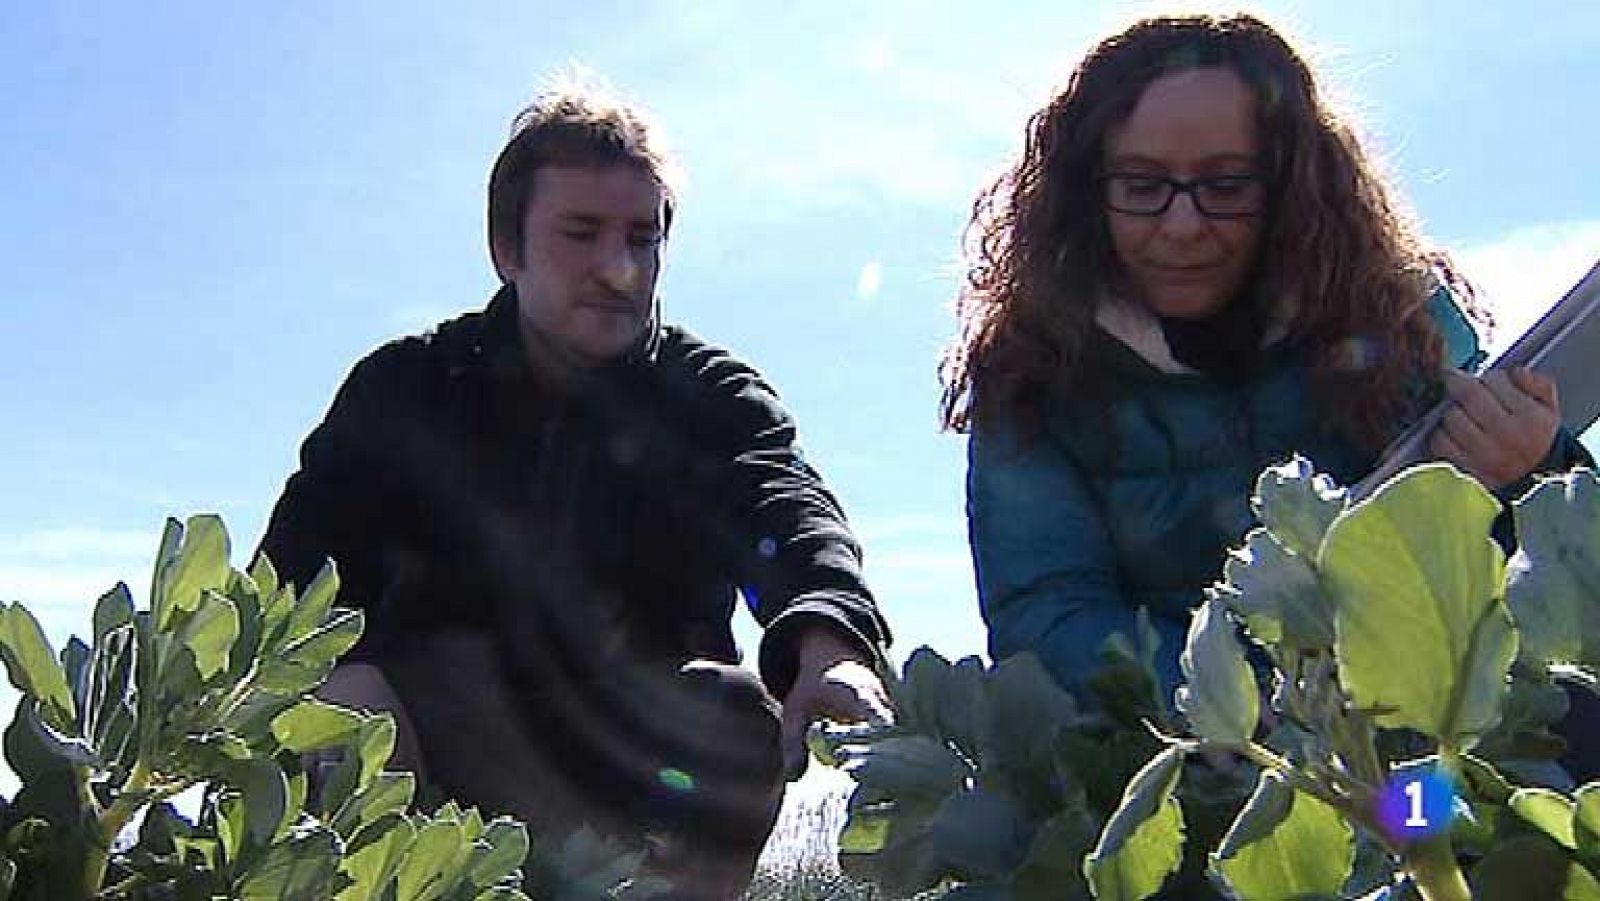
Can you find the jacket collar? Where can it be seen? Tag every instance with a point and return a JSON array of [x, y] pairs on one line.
[[1134, 326], [498, 344]]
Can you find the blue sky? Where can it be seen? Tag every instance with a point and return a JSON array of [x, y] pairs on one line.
[[210, 211]]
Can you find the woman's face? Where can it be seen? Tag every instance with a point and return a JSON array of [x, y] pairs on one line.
[[1188, 125]]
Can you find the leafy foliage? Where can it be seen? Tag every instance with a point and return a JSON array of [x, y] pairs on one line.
[[1400, 639], [994, 782], [210, 687]]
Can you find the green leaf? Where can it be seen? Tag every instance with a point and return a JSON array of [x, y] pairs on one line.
[[262, 794], [313, 606], [1547, 811], [375, 745], [371, 862], [1484, 783], [865, 833], [908, 766], [1276, 594], [336, 635], [942, 699], [201, 563], [275, 610], [149, 715], [1531, 866], [75, 667], [1297, 504], [247, 645], [471, 824], [1581, 885], [1422, 639], [302, 866], [166, 557], [265, 576], [161, 826], [429, 867], [503, 848], [1142, 843], [1220, 696], [32, 665], [1586, 822], [1125, 686], [387, 793], [982, 835], [209, 633], [1533, 705], [111, 707], [312, 725], [1023, 708], [291, 678], [198, 850], [1053, 870], [252, 719], [232, 825], [1551, 587], [114, 609], [916, 693], [1285, 844]]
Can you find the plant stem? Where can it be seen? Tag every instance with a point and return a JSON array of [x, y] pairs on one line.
[[1432, 865], [1265, 758], [122, 888], [127, 802], [1450, 762]]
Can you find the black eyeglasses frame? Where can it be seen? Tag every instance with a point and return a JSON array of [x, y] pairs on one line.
[[1190, 186]]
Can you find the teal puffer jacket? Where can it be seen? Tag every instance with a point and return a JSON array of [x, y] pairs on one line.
[[1073, 531]]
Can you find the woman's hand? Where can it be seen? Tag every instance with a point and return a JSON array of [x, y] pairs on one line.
[[1500, 426]]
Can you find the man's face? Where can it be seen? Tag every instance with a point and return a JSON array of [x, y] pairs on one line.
[[586, 270]]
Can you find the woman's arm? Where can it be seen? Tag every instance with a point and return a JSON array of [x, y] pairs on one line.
[[1045, 565]]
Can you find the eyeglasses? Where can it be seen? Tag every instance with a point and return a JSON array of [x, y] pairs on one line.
[[1219, 197]]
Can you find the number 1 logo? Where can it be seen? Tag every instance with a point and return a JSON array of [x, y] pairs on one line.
[[1416, 803]]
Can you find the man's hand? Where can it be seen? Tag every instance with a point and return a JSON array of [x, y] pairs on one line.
[[1500, 426], [834, 681]]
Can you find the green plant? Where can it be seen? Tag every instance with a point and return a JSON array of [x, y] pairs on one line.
[[1400, 638], [993, 782], [209, 688]]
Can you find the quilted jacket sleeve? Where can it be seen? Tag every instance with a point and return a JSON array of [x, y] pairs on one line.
[[1046, 569]]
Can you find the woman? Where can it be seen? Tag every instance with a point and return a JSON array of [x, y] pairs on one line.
[[1192, 272]]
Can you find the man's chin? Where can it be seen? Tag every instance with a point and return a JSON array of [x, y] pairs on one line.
[[608, 345]]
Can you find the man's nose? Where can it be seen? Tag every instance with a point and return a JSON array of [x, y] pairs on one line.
[[619, 269]]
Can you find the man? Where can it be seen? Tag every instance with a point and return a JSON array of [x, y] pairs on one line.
[[546, 509]]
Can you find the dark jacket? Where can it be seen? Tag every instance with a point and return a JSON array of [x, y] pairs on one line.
[[595, 532]]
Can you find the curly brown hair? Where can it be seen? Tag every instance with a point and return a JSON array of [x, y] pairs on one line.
[[1039, 252]]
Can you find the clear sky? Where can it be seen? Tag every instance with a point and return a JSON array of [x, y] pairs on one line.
[[210, 211]]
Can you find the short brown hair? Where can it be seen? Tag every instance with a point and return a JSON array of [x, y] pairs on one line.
[[579, 123]]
